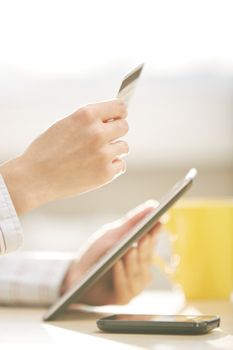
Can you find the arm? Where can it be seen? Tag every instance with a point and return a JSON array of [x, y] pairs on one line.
[[32, 278], [39, 279], [130, 275], [75, 155]]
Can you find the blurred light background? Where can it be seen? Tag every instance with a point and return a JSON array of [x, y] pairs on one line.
[[58, 55]]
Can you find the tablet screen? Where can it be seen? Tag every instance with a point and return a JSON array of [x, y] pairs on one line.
[[116, 252]]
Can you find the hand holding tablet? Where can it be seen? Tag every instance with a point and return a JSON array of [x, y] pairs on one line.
[[130, 275], [109, 257], [118, 250]]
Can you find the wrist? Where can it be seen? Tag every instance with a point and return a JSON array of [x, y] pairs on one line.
[[21, 184]]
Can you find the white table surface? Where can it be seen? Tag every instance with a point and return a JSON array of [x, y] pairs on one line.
[[22, 328]]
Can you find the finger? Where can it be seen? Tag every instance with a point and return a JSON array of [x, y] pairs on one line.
[[118, 149], [154, 237], [132, 269], [120, 283], [133, 217], [119, 167], [145, 258], [144, 245], [116, 129], [112, 109], [155, 230], [119, 228]]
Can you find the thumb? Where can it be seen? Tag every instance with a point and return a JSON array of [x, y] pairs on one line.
[[110, 234], [132, 218]]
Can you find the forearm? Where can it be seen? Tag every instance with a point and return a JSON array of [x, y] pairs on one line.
[[32, 278], [22, 184], [75, 155]]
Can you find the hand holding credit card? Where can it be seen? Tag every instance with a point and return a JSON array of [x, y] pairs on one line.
[[116, 251], [129, 83]]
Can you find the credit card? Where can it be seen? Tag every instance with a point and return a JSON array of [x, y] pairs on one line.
[[129, 83]]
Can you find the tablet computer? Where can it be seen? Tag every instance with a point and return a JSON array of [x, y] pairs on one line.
[[117, 251]]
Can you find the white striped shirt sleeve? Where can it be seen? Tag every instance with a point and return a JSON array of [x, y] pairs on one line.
[[11, 235], [32, 278], [26, 278]]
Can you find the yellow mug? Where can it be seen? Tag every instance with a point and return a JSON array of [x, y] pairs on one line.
[[202, 244]]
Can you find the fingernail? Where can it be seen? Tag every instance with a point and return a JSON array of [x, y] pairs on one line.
[[120, 173], [122, 156], [149, 203], [152, 203], [164, 219]]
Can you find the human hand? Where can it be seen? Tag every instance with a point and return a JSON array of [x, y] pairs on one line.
[[75, 155], [130, 275]]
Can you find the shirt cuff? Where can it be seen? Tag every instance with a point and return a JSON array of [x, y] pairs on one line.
[[11, 233], [32, 278]]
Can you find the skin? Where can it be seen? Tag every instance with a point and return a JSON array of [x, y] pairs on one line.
[[76, 154], [129, 275]]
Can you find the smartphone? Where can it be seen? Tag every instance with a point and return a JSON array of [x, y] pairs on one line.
[[158, 324]]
